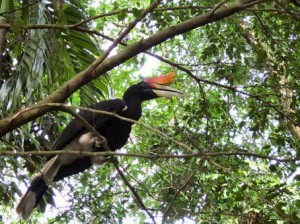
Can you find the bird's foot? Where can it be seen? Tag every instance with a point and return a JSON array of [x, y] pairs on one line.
[[99, 142]]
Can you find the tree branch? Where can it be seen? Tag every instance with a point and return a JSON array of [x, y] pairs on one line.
[[151, 156], [178, 190]]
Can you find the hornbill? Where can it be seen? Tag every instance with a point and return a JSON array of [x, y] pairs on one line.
[[76, 137]]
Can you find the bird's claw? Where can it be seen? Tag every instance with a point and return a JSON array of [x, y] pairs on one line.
[[98, 142]]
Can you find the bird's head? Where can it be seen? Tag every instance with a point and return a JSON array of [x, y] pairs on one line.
[[151, 88]]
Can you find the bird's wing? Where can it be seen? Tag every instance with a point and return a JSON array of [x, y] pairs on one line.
[[76, 128]]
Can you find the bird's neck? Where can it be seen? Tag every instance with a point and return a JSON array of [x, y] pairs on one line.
[[134, 109]]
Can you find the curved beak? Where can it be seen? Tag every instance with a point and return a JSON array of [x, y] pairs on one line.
[[160, 88]]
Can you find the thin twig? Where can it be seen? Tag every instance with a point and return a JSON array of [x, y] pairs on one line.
[[178, 190], [23, 7], [132, 189], [124, 33], [206, 111], [151, 156], [212, 12]]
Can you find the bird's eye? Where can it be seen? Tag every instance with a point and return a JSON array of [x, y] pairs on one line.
[[144, 84]]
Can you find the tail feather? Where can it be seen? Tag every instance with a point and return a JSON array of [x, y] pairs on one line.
[[32, 197], [38, 188], [55, 169]]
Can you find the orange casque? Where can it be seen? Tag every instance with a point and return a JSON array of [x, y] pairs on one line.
[[161, 80]]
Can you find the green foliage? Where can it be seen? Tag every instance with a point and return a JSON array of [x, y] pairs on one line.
[[236, 102]]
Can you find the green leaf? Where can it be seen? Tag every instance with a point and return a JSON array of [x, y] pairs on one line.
[[122, 15], [137, 13]]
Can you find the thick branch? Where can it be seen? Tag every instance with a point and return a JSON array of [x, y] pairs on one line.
[[86, 76]]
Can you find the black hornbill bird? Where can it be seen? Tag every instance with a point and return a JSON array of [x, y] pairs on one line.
[[76, 137]]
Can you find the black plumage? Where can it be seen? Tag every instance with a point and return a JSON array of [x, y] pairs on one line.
[[76, 137]]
